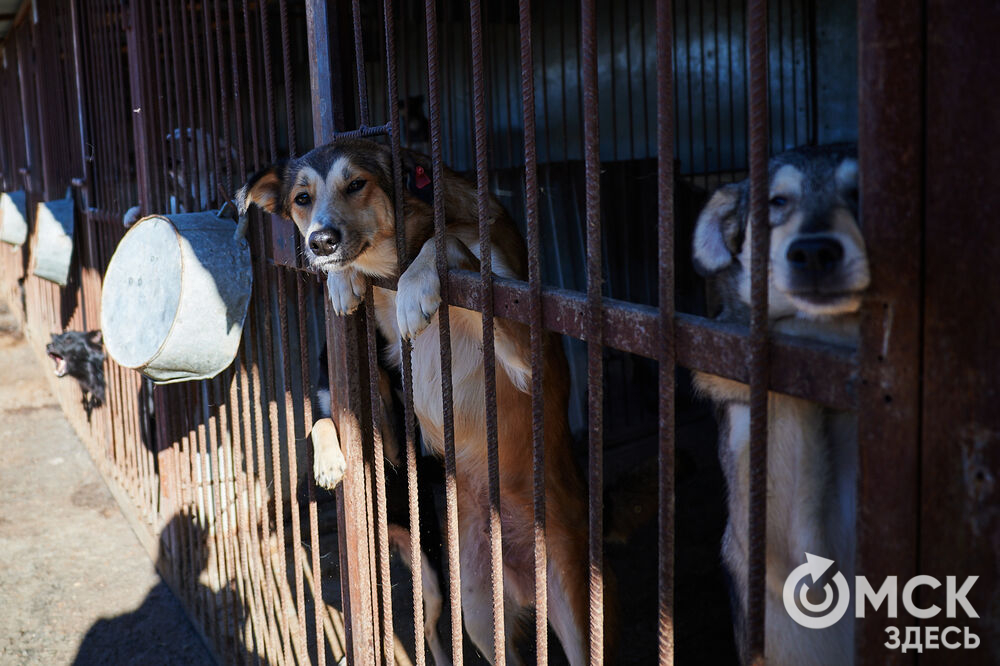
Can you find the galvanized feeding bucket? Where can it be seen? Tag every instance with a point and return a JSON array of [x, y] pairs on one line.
[[175, 296], [13, 222], [52, 249]]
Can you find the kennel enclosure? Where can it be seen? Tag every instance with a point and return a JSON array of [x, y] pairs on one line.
[[600, 126]]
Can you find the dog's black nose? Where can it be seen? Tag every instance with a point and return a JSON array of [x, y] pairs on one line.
[[324, 241], [818, 255]]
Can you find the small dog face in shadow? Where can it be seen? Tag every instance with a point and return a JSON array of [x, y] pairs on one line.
[[80, 355]]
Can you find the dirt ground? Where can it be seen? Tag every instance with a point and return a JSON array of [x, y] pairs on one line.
[[75, 585]]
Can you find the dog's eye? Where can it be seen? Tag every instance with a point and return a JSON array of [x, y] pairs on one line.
[[356, 185], [778, 202], [303, 199]]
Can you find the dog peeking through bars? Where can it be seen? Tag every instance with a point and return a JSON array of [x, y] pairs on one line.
[[81, 356], [818, 271], [340, 197]]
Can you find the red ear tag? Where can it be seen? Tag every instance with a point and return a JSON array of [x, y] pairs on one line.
[[421, 179]]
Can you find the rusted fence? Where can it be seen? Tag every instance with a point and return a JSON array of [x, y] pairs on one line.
[[596, 124]]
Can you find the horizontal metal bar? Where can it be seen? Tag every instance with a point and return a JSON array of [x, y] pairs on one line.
[[813, 370], [817, 371]]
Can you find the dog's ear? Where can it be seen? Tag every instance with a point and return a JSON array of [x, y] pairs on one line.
[[96, 337], [716, 235], [264, 189]]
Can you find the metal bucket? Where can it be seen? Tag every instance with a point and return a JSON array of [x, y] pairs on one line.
[[175, 296], [13, 213], [52, 249]]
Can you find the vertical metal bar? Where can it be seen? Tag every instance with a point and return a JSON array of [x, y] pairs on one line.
[[381, 520], [292, 438], [359, 62], [381, 543], [343, 355], [265, 40], [959, 495], [537, 335], [223, 101], [595, 366], [286, 60], [260, 535], [666, 355], [489, 352], [409, 433], [268, 361], [242, 464], [78, 90], [252, 74], [319, 606], [760, 240], [209, 137], [44, 149], [212, 478], [139, 110], [440, 246], [892, 136]]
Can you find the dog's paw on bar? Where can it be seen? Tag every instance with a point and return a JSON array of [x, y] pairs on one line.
[[329, 464]]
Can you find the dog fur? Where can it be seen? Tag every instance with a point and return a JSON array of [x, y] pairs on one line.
[[81, 356], [340, 197], [818, 271]]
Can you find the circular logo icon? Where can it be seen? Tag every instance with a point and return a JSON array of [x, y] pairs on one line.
[[835, 601]]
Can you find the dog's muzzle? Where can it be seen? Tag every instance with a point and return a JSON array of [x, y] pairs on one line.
[[324, 242], [815, 257], [58, 359]]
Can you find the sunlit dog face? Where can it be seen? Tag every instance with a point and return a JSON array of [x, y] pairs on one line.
[[339, 197], [818, 265]]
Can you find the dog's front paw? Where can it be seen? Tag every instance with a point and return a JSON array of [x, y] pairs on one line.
[[417, 300], [329, 464], [347, 289]]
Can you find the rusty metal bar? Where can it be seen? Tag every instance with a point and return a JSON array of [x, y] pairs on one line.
[[260, 535], [378, 454], [760, 237], [489, 352], [246, 527], [286, 60], [451, 482], [381, 542], [537, 334], [319, 607], [819, 372], [211, 133], [265, 41], [343, 354], [892, 139], [666, 334], [292, 437], [268, 361], [359, 64], [139, 109], [959, 496], [251, 84], [409, 430], [595, 349]]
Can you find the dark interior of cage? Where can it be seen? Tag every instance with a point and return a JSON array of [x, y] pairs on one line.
[[813, 100]]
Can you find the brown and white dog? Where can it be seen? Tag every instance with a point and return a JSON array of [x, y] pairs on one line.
[[818, 270], [340, 196]]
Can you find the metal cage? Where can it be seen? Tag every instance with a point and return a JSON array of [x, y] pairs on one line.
[[600, 125]]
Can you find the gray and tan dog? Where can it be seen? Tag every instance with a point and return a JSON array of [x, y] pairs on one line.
[[818, 271]]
